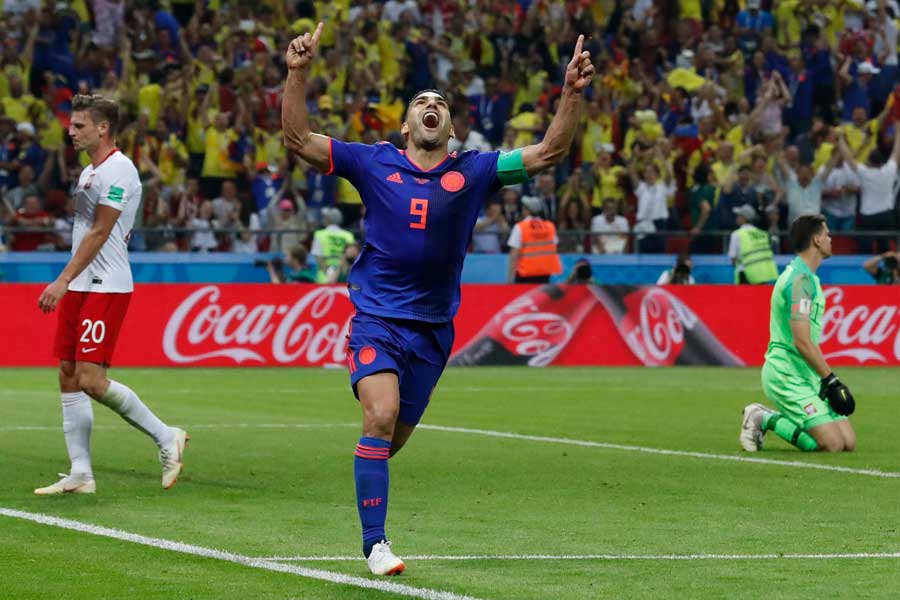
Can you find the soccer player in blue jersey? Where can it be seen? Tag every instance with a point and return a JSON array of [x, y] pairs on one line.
[[421, 207]]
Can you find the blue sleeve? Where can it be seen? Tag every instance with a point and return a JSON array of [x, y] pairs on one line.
[[486, 167], [348, 160]]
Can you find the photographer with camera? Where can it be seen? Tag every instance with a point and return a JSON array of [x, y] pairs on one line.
[[681, 274], [582, 273], [884, 267], [298, 270]]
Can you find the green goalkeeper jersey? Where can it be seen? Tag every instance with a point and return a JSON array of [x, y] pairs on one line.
[[797, 297]]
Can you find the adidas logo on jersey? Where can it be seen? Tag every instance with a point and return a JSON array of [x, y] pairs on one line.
[[395, 178]]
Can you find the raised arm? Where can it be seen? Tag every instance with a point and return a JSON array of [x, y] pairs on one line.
[[895, 152], [871, 265], [312, 147], [845, 152], [558, 139]]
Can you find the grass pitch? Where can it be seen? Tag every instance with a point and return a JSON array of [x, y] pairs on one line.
[[270, 474]]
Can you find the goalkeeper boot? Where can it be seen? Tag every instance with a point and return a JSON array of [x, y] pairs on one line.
[[76, 483], [752, 435], [382, 560], [170, 457]]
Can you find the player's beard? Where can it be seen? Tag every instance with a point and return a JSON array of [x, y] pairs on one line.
[[431, 141]]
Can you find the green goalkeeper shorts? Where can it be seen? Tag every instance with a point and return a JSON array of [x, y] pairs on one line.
[[796, 395]]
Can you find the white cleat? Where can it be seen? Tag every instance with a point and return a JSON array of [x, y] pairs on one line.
[[170, 457], [382, 560], [752, 435], [76, 483]]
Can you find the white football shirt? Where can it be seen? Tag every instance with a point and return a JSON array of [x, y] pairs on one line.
[[114, 182]]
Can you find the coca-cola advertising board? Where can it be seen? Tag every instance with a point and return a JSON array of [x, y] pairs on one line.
[[248, 325]]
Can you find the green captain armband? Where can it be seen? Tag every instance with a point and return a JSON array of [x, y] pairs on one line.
[[510, 168]]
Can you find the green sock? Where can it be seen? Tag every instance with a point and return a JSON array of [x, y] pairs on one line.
[[789, 431]]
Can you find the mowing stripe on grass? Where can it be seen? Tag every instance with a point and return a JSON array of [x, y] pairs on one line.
[[519, 436], [610, 557], [247, 561], [588, 444]]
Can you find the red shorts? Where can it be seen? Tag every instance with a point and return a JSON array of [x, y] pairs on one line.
[[89, 325]]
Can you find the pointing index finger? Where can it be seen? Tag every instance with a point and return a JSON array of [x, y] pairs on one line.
[[316, 34], [577, 54]]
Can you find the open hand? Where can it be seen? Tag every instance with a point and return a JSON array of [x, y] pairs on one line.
[[580, 69], [302, 50]]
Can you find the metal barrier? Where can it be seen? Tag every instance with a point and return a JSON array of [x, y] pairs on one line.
[[665, 242]]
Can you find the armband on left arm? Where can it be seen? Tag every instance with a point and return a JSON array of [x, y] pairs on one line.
[[510, 168]]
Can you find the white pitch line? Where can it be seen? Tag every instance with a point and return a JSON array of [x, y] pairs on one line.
[[195, 426], [706, 455], [247, 561], [518, 436], [605, 557]]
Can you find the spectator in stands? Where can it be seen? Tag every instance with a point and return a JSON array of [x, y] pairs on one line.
[[512, 206], [14, 199], [803, 187], [532, 246], [298, 269], [546, 193], [574, 214], [225, 205], [284, 215], [701, 198], [63, 225], [884, 267], [736, 191], [609, 230], [491, 230], [465, 138], [680, 274], [839, 197], [608, 180], [878, 179], [750, 249], [653, 203], [856, 79], [31, 215], [200, 220], [328, 245]]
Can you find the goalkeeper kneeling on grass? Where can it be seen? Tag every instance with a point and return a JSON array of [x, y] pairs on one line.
[[812, 402]]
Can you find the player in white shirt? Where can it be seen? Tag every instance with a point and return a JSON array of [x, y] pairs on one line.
[[92, 293]]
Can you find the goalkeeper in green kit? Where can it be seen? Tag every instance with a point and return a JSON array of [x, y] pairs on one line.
[[812, 402]]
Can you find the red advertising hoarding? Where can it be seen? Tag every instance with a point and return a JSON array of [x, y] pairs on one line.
[[306, 325]]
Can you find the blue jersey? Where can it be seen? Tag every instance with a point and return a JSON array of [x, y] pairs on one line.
[[418, 226]]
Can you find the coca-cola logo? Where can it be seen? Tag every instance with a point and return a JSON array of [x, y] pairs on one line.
[[657, 335], [857, 330], [202, 328], [532, 332]]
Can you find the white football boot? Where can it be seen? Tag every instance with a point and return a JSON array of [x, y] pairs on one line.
[[752, 435], [76, 483], [382, 560], [170, 457]]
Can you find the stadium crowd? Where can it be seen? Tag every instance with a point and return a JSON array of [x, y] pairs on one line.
[[698, 108]]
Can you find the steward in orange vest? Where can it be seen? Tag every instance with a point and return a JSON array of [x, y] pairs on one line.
[[532, 246]]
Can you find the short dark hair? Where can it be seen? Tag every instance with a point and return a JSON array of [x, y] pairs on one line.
[[419, 93], [100, 109], [803, 229]]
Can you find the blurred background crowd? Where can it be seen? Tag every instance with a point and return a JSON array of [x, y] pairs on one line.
[[698, 108]]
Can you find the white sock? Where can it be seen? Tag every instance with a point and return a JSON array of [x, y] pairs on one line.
[[78, 421], [124, 401]]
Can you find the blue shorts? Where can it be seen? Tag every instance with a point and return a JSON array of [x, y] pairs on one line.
[[415, 350]]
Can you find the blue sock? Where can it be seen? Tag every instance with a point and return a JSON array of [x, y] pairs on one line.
[[370, 469]]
